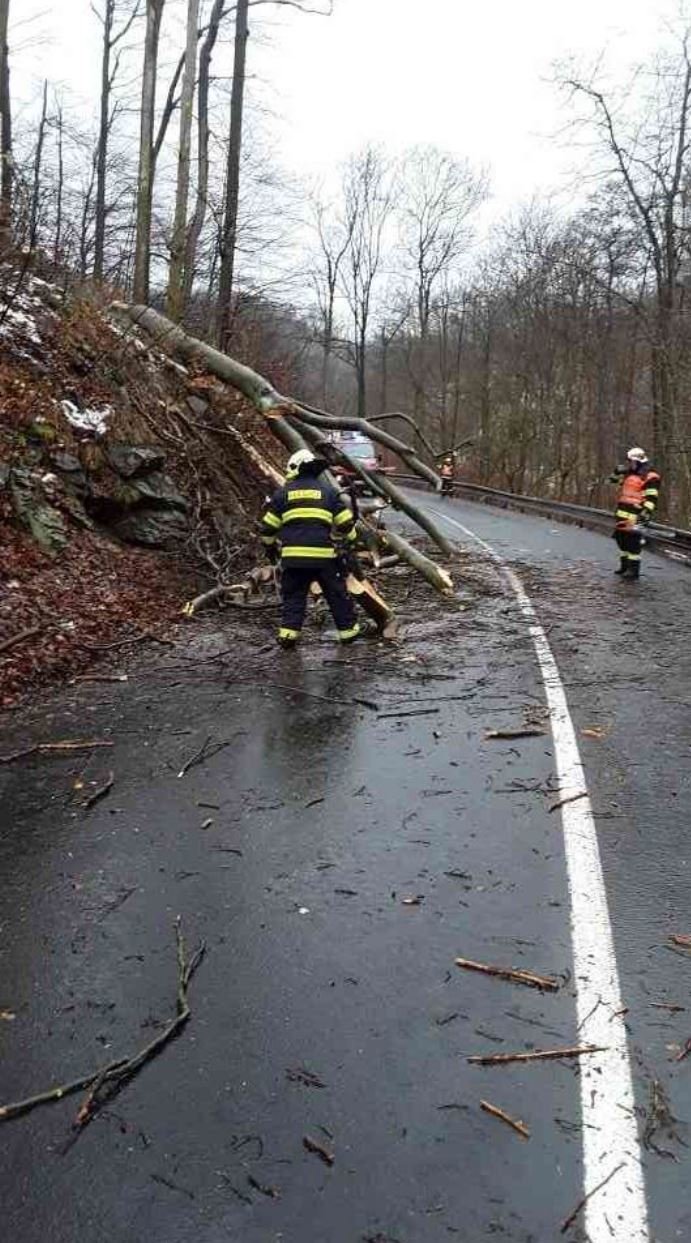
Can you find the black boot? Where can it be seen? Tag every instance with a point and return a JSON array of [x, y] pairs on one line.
[[634, 569], [623, 566]]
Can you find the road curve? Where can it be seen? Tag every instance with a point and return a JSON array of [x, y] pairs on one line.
[[337, 860]]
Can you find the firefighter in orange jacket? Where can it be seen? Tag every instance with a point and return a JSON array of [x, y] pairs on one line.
[[448, 471], [639, 489]]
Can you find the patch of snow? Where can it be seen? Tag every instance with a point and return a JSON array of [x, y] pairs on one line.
[[89, 420], [17, 321]]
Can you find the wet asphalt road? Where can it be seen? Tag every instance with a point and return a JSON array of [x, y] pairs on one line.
[[327, 815]]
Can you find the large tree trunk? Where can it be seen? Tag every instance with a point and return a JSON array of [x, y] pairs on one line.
[[5, 130], [285, 420], [175, 300], [230, 222], [142, 254]]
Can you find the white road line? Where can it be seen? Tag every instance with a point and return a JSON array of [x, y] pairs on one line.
[[610, 1130]]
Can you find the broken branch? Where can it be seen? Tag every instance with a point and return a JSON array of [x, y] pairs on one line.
[[538, 1055], [312, 1145], [50, 747], [569, 1221], [515, 975], [496, 1112], [109, 1079]]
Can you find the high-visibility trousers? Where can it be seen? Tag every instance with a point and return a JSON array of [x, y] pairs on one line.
[[295, 585]]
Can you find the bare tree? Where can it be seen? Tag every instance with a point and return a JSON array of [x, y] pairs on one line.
[[145, 186], [648, 160], [196, 224], [5, 129], [230, 217], [177, 251], [334, 237], [109, 72], [369, 195]]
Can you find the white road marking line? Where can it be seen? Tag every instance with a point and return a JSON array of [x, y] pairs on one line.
[[610, 1129]]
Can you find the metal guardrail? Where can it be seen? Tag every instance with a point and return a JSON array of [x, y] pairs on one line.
[[667, 539]]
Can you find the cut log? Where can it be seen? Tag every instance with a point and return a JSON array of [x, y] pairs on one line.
[[371, 603], [392, 542]]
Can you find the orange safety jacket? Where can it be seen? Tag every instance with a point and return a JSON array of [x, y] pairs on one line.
[[637, 493]]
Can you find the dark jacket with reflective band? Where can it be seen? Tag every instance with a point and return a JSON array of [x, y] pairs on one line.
[[637, 493], [305, 516]]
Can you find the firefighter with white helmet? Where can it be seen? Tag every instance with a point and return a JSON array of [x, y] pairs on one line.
[[303, 525], [637, 498]]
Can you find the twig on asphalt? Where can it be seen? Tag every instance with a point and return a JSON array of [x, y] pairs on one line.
[[539, 1055], [526, 732], [272, 1192], [313, 1145], [100, 793], [335, 699], [304, 1076], [659, 1117], [519, 1127], [684, 1053], [667, 1005], [51, 747], [104, 1083], [569, 1221], [515, 975], [570, 798], [205, 752], [681, 939], [383, 716]]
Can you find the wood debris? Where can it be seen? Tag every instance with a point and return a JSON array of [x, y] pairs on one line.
[[306, 1077], [528, 731], [104, 1083], [681, 939], [518, 1126], [570, 798], [515, 974], [572, 1217], [313, 1145], [100, 792], [538, 1055], [50, 748]]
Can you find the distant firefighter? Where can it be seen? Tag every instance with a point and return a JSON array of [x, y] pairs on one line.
[[448, 471], [639, 489]]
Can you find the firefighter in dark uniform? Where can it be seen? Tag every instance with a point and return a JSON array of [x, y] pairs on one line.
[[302, 524], [639, 489]]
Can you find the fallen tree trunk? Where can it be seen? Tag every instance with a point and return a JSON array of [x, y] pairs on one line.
[[265, 398], [378, 483], [332, 422]]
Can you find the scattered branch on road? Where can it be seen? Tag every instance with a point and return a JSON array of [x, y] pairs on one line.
[[104, 1083], [570, 1220], [515, 1123], [52, 748], [313, 1145], [538, 1055], [385, 716], [272, 1192], [667, 1005], [681, 939], [100, 793], [684, 1053], [205, 752], [659, 1117], [526, 732], [300, 690], [515, 975], [306, 1077], [570, 798]]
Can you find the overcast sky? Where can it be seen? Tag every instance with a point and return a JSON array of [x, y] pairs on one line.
[[471, 76]]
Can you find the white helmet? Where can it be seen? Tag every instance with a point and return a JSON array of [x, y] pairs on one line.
[[302, 457], [637, 455]]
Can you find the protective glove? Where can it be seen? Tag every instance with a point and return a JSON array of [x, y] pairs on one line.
[[273, 553], [352, 564]]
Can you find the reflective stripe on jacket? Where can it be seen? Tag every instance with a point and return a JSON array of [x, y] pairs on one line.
[[305, 515], [636, 494]]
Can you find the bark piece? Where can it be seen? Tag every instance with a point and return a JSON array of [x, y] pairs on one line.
[[539, 1055]]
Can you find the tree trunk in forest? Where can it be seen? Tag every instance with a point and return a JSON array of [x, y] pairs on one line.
[[102, 148], [175, 298], [38, 159], [230, 221], [196, 224], [142, 254], [6, 172]]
